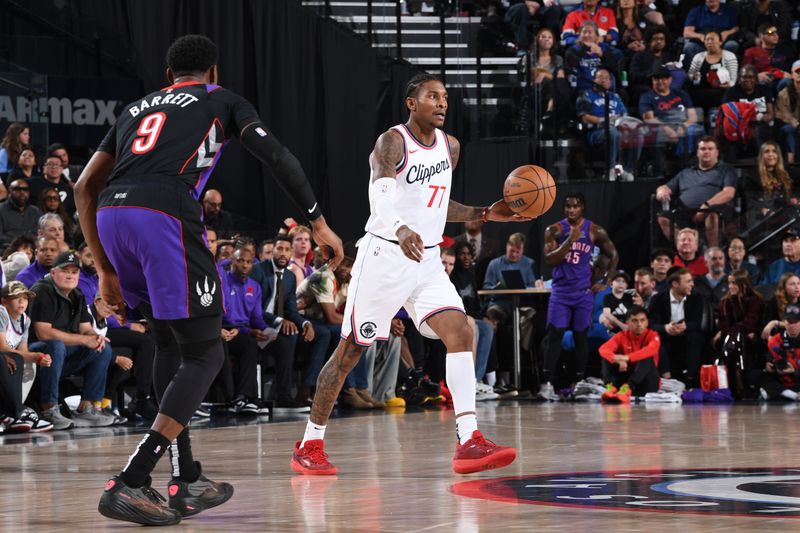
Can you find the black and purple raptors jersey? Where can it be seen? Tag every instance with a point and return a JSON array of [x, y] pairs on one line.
[[574, 273], [177, 133]]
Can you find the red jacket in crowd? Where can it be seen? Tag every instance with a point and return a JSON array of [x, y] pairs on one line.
[[636, 348]]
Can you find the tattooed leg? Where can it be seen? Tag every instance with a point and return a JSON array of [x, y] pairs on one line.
[[331, 378]]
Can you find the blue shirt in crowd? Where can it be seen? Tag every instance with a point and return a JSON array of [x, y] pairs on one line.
[[670, 108], [593, 103], [778, 268], [242, 304], [702, 19]]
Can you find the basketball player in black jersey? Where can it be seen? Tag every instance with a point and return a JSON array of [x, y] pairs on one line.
[[137, 200]]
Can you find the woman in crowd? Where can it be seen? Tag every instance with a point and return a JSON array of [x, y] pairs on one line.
[[787, 292], [25, 167], [50, 202], [547, 75], [17, 136], [712, 72], [769, 187], [631, 28]]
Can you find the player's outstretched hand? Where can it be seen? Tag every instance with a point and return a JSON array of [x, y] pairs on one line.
[[323, 234], [112, 294], [411, 243], [500, 212]]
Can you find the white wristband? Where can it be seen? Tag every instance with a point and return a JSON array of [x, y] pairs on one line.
[[382, 193]]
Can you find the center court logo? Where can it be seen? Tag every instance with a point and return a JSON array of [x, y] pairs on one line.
[[368, 330], [757, 492]]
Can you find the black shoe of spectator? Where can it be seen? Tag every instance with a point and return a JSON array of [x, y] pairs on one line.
[[290, 405]]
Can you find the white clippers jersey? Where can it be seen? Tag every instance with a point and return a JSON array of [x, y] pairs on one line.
[[424, 178]]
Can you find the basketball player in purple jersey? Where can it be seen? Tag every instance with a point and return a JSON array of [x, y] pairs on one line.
[[568, 246], [398, 264], [140, 215]]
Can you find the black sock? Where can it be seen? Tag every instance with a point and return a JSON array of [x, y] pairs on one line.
[[183, 464], [144, 459]]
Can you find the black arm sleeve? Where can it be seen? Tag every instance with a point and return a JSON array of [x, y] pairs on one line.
[[290, 176]]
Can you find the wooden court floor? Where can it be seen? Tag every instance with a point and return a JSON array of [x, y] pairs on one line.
[[395, 473]]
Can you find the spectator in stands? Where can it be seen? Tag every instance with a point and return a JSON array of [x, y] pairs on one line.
[[661, 262], [588, 54], [214, 216], [500, 306], [630, 28], [265, 250], [518, 15], [466, 283], [712, 72], [631, 356], [17, 215], [25, 167], [770, 14], [780, 379], [63, 328], [243, 314], [211, 240], [713, 285], [321, 298], [790, 262], [671, 117], [771, 58], [676, 315], [787, 110], [653, 13], [706, 190], [688, 240], [591, 111], [17, 136], [737, 254], [758, 129], [50, 202], [448, 257], [786, 293], [769, 187], [19, 360], [279, 302], [617, 303], [547, 63], [740, 312], [54, 177], [17, 256], [644, 285], [712, 16], [301, 248], [46, 254], [604, 20], [71, 172], [645, 63], [224, 251], [50, 225], [484, 247]]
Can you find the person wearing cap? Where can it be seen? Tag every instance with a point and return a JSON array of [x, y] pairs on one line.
[[617, 303], [677, 316], [661, 262], [645, 63], [770, 57], [671, 117], [787, 110], [713, 285], [18, 367], [790, 262], [780, 378], [631, 356], [46, 253], [63, 329]]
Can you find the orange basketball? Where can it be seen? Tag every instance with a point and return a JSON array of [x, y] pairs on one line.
[[529, 191]]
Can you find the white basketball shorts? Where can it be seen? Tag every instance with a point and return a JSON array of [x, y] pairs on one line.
[[384, 280]]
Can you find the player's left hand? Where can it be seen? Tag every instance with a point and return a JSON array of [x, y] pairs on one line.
[[500, 212], [323, 234], [112, 294]]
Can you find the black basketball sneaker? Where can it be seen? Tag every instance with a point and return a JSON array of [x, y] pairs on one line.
[[191, 498], [141, 505]]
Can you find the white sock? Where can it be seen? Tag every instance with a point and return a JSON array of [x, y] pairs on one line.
[[313, 432], [491, 378], [460, 374], [789, 394]]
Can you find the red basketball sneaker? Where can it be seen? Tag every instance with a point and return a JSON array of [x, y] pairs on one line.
[[311, 459], [480, 454]]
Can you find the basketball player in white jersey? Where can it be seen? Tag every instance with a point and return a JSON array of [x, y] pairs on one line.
[[398, 265]]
